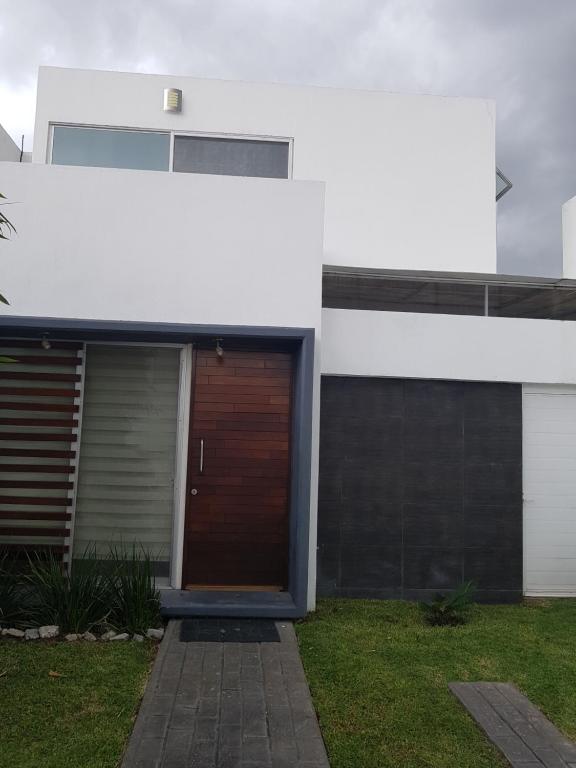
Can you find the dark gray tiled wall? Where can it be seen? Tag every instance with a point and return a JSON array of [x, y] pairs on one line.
[[420, 488]]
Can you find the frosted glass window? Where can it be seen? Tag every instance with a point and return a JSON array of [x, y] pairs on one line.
[[128, 450], [231, 157], [110, 148]]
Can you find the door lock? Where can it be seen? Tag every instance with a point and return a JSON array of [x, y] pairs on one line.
[[194, 491]]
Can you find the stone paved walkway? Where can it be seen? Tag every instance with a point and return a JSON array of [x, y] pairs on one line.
[[518, 728], [227, 705]]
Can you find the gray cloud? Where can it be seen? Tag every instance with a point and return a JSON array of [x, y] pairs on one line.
[[520, 52]]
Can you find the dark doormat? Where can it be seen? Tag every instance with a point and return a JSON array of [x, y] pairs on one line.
[[228, 631]]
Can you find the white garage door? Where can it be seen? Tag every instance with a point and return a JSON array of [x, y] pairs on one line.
[[549, 490]]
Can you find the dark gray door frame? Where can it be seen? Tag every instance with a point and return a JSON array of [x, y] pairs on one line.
[[302, 342]]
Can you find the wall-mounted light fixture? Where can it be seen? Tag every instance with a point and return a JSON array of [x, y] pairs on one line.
[[219, 350], [45, 343], [172, 100]]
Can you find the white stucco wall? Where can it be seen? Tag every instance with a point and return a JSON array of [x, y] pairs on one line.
[[365, 343], [410, 179], [131, 245], [136, 245], [569, 238], [8, 148]]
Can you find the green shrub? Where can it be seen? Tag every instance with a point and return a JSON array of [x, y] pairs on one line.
[[117, 590], [135, 602], [76, 600], [451, 609], [12, 597]]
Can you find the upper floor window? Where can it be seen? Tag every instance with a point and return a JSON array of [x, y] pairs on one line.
[[151, 151], [231, 157], [111, 148]]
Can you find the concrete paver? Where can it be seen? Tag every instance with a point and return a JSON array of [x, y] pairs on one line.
[[227, 705]]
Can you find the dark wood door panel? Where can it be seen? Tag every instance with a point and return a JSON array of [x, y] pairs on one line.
[[236, 530]]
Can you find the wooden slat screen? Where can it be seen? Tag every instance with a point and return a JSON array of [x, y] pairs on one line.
[[40, 393]]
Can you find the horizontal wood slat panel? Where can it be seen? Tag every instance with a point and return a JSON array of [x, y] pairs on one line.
[[17, 547], [220, 388], [18, 422], [208, 356], [58, 469], [253, 468], [35, 515], [239, 504], [242, 408], [215, 538], [262, 480], [244, 379], [71, 362], [39, 391], [255, 427], [36, 501], [270, 407], [236, 363], [25, 531], [37, 344], [250, 517], [38, 376], [55, 407], [41, 453], [32, 437], [245, 453], [232, 418], [259, 525], [45, 485], [219, 397]]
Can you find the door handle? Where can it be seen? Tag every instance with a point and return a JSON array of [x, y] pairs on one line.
[[201, 455]]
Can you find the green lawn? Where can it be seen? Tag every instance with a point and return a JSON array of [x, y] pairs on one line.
[[379, 678], [82, 718]]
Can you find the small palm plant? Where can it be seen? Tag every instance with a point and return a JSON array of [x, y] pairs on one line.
[[449, 610]]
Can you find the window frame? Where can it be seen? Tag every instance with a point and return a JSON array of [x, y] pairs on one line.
[[173, 134], [88, 126]]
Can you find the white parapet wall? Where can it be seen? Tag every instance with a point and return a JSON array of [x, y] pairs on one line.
[[569, 238], [410, 178], [138, 245], [407, 345]]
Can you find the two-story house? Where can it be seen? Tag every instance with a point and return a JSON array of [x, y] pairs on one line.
[[259, 330]]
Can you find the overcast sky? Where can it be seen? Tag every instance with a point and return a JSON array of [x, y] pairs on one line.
[[522, 53]]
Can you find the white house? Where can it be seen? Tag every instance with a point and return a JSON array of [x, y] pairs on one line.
[[258, 329]]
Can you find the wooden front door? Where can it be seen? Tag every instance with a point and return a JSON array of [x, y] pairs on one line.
[[236, 531]]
